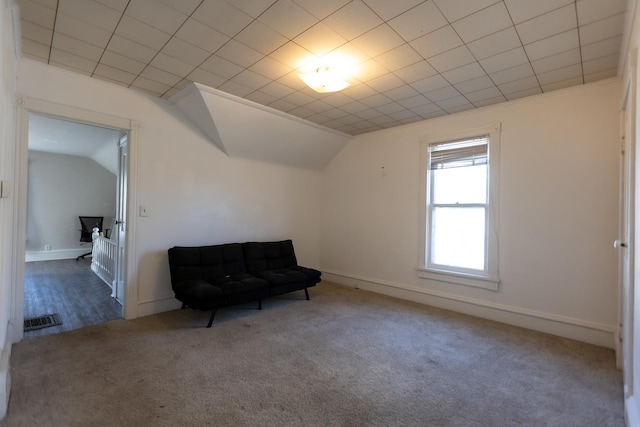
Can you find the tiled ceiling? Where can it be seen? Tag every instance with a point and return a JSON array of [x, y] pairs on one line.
[[416, 59]]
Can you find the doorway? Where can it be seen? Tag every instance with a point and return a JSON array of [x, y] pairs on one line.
[[73, 171], [25, 107]]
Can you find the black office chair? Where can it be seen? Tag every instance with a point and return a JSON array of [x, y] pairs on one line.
[[88, 223]]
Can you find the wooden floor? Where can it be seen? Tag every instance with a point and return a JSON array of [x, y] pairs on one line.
[[70, 289]]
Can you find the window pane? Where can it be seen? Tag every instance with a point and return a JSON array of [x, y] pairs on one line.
[[458, 237], [460, 185]]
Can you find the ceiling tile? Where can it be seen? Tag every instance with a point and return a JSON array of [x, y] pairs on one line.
[[270, 68], [601, 30], [379, 40], [81, 30], [588, 78], [299, 98], [398, 58], [549, 24], [415, 72], [117, 5], [594, 10], [293, 81], [414, 101], [480, 95], [250, 79], [34, 50], [261, 98], [375, 100], [239, 54], [418, 21], [437, 42], [452, 105], [464, 73], [446, 92], [560, 74], [186, 7], [320, 39], [552, 45], [457, 9], [321, 9], [122, 63], [261, 38], [172, 65], [150, 86], [253, 8], [76, 47], [221, 16], [602, 48], [114, 74], [601, 64], [37, 14], [69, 66], [201, 35], [144, 34], [185, 52], [562, 84], [207, 78], [430, 84], [359, 91], [392, 107], [91, 12], [523, 93], [559, 60], [385, 83], [526, 84], [277, 90], [282, 105], [490, 101], [160, 76], [523, 10], [130, 49], [494, 44], [483, 23], [235, 89], [292, 54], [511, 74], [401, 93], [504, 60], [35, 33], [74, 61], [220, 66], [287, 18], [156, 14], [452, 59], [389, 9], [474, 85], [353, 20]]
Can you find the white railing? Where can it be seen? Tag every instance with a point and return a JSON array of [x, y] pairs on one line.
[[103, 261]]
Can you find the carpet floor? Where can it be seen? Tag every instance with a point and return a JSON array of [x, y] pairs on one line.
[[345, 358]]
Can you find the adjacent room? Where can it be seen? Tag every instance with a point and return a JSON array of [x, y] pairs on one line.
[[461, 172]]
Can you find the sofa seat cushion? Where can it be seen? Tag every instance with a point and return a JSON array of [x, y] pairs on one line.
[[311, 274], [199, 294], [241, 288], [282, 276]]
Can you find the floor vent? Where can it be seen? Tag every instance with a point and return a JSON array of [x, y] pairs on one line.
[[40, 322]]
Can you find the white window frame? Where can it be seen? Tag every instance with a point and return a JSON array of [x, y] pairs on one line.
[[490, 278]]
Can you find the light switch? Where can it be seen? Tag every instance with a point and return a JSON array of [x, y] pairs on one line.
[[143, 211]]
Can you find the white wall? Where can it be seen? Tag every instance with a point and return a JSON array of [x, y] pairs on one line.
[[193, 192], [559, 213], [61, 188]]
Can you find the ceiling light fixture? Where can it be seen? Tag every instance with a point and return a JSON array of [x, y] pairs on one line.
[[324, 79]]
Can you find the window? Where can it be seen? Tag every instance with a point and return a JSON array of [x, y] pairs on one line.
[[460, 208]]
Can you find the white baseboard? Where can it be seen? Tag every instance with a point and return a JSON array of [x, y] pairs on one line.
[[147, 308], [54, 255], [580, 330]]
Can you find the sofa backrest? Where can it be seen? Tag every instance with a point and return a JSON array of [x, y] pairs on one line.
[[205, 262], [262, 256]]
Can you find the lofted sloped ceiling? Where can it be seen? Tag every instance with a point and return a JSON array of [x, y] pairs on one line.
[[248, 130], [414, 59]]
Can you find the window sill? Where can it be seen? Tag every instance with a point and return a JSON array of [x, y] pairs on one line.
[[491, 284]]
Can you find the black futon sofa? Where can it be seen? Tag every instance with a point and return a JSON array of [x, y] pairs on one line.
[[210, 277]]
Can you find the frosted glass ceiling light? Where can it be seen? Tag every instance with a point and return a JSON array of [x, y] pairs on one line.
[[323, 79]]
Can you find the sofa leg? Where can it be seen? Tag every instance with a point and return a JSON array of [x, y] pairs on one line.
[[306, 292], [259, 304], [213, 314]]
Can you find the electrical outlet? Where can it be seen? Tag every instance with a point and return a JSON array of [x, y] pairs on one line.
[[47, 247], [144, 211]]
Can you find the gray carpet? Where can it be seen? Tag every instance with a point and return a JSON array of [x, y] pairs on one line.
[[345, 358]]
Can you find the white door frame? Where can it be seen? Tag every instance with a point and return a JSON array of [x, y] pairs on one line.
[[24, 106]]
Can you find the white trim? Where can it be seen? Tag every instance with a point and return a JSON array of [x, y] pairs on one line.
[[25, 105], [30, 256], [5, 378], [568, 327], [489, 283], [147, 308]]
